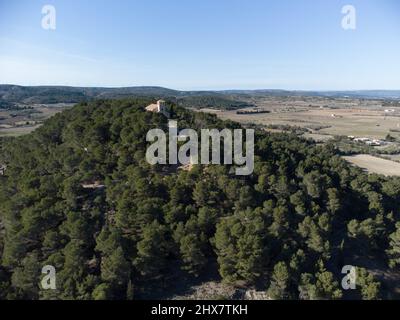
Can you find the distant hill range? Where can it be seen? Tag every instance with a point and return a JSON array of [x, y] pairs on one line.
[[10, 94], [225, 99], [357, 94]]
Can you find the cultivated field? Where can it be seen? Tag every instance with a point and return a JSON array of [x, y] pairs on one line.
[[375, 165], [17, 131], [28, 118], [324, 116], [395, 157]]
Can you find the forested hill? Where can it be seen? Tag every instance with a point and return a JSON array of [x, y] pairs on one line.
[[12, 94], [78, 194]]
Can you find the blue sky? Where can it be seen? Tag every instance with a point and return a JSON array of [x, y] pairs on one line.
[[202, 44]]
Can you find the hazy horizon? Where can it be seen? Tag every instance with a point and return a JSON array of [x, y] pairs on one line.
[[198, 89]]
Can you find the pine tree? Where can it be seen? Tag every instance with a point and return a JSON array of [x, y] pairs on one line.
[[298, 201], [102, 292], [193, 258], [326, 285], [307, 288], [394, 247], [152, 250], [239, 246], [26, 279], [333, 204], [369, 287], [115, 268], [279, 287]]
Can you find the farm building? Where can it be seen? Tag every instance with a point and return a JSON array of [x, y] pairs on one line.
[[370, 142]]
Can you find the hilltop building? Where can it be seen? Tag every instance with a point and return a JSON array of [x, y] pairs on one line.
[[158, 107]]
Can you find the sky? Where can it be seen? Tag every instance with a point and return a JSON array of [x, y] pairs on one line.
[[202, 44]]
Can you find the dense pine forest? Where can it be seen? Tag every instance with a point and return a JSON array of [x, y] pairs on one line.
[[287, 229]]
